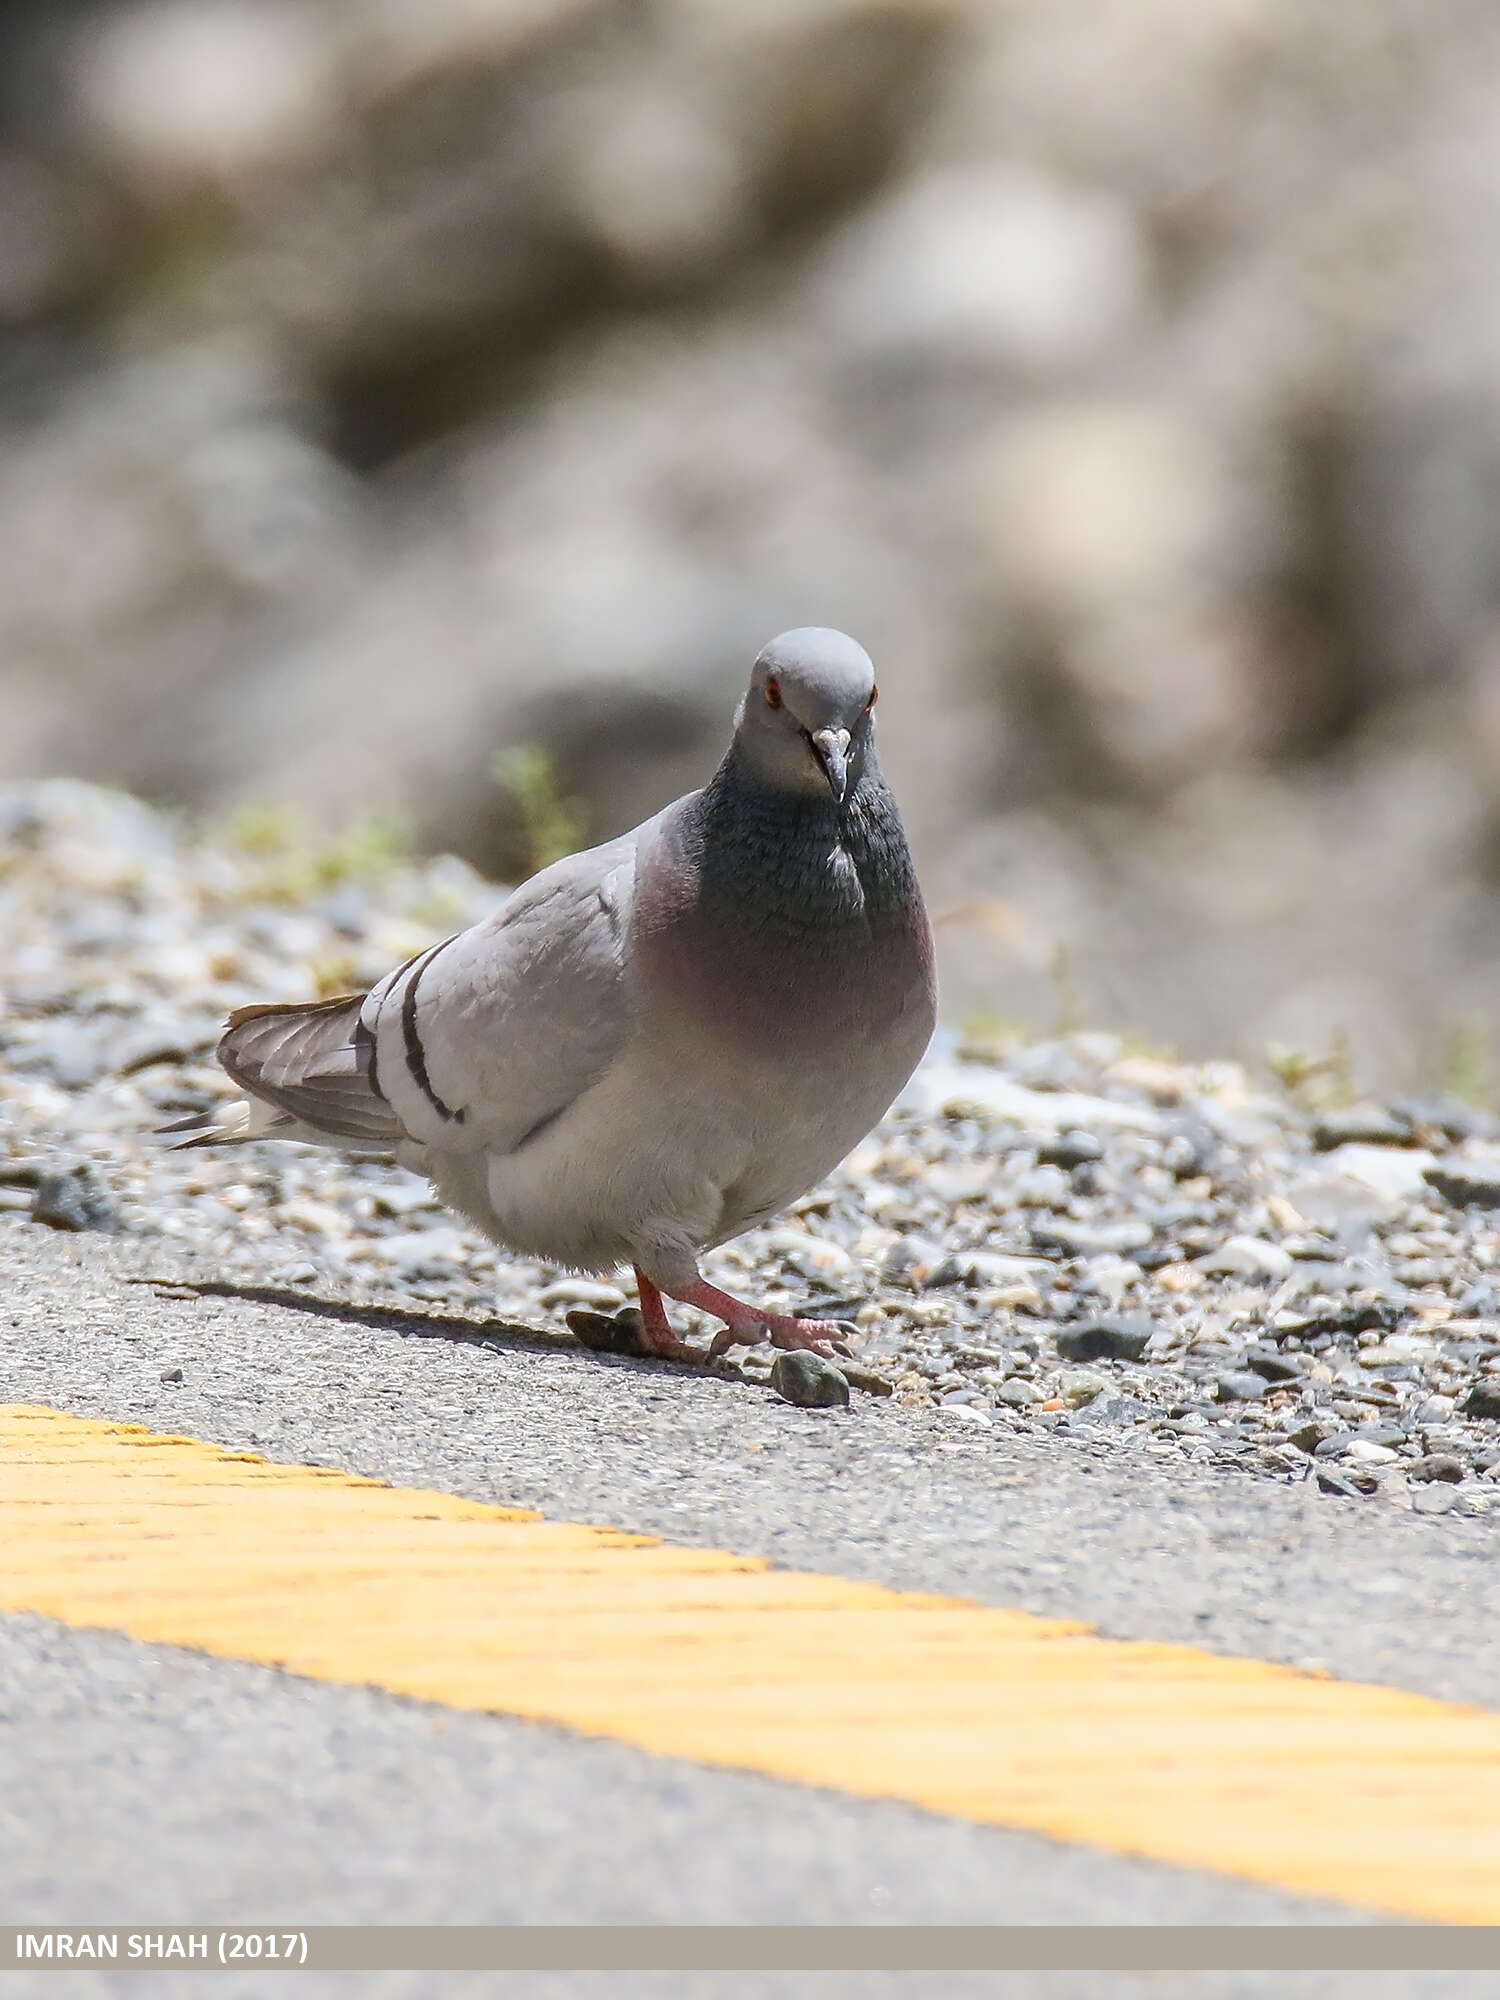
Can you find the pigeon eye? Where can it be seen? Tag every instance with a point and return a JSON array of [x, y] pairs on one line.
[[874, 697], [773, 693]]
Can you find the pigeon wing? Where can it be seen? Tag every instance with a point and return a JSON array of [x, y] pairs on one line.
[[482, 1039]]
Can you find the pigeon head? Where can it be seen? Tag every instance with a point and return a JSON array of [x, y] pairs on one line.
[[807, 720]]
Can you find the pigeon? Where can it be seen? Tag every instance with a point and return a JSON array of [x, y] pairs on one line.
[[654, 1045]]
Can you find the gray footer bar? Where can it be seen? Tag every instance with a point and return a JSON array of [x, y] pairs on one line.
[[733, 1948]]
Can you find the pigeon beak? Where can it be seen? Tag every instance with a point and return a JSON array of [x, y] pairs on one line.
[[831, 748]]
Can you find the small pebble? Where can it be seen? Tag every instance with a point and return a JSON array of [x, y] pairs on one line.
[[75, 1198], [1077, 1387], [1271, 1365], [1382, 1433], [1026, 1297], [1362, 1451], [1361, 1124], [595, 1331], [1239, 1387], [1334, 1445], [1464, 1185], [1353, 1314], [1333, 1482], [1077, 1239], [967, 1411], [1437, 1465], [1117, 1410], [1069, 1149], [806, 1379], [1247, 1257], [1190, 1424], [1103, 1340], [1018, 1393]]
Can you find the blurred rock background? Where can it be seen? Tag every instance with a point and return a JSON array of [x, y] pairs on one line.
[[386, 383]]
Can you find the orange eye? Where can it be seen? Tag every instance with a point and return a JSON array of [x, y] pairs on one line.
[[874, 697], [773, 693]]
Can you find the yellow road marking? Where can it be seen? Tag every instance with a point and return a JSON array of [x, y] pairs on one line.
[[1322, 1787]]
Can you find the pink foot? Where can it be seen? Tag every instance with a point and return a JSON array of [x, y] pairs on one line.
[[657, 1336], [747, 1326]]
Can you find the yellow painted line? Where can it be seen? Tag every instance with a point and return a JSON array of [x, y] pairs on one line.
[[1326, 1788]]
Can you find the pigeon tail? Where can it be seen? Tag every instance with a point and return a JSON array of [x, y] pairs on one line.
[[232, 1123], [310, 1069]]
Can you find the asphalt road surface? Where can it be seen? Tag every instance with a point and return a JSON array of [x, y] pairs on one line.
[[153, 1784]]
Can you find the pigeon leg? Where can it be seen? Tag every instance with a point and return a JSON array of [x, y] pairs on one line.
[[657, 1336], [747, 1326]]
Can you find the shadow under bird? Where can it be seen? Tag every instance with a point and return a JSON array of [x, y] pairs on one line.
[[654, 1045]]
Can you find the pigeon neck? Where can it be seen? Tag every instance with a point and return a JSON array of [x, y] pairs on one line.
[[802, 857]]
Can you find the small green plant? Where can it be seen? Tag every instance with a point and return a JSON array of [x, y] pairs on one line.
[[1313, 1082], [262, 828], [1138, 1042], [366, 851], [988, 1037], [551, 825], [1066, 997], [1465, 1063], [295, 863]]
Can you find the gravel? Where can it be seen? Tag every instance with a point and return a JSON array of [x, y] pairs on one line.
[[1244, 1283]]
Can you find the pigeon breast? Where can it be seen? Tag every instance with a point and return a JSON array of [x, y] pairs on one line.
[[785, 926]]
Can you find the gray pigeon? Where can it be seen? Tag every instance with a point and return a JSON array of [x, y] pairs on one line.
[[654, 1045]]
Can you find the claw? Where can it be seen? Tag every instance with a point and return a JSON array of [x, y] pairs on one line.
[[827, 1337]]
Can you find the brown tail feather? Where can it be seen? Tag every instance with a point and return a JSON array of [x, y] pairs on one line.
[[315, 1062]]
